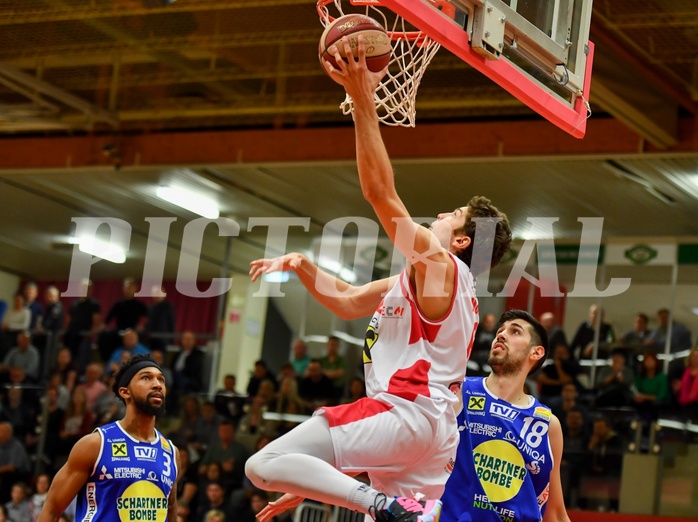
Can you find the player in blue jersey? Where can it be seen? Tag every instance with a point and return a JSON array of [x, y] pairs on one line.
[[507, 466], [125, 470]]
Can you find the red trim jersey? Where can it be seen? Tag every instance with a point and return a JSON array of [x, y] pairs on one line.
[[421, 360]]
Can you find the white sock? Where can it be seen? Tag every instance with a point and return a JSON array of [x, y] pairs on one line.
[[365, 496]]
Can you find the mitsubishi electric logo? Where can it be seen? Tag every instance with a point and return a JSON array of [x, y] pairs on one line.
[[104, 474]]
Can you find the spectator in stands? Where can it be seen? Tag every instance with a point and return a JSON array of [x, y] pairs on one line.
[[161, 320], [215, 501], [267, 391], [688, 390], [55, 381], [286, 370], [160, 357], [651, 387], [130, 344], [569, 401], [614, 383], [606, 448], [574, 454], [229, 403], [214, 473], [680, 335], [16, 320], [20, 414], [36, 502], [24, 356], [84, 318], [31, 292], [78, 421], [583, 342], [484, 335], [556, 335], [190, 413], [261, 371], [187, 485], [639, 333], [288, 401], [605, 457], [19, 508], [14, 462], [107, 407], [253, 422], [300, 358], [258, 501], [54, 420], [229, 453], [128, 313], [553, 377], [356, 391], [54, 315], [334, 366], [206, 426], [93, 386], [66, 367], [188, 366], [680, 342], [316, 389]]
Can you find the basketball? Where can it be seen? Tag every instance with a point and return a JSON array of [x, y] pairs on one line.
[[376, 40]]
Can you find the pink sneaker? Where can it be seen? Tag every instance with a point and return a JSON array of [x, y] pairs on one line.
[[403, 509]]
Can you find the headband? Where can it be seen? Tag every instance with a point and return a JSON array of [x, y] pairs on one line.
[[133, 370]]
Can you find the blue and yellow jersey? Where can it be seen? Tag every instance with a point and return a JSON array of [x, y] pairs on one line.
[[131, 480], [504, 460]]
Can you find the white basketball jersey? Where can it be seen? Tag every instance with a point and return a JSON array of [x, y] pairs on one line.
[[409, 356]]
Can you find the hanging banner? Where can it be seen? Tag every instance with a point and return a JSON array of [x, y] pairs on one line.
[[641, 254]]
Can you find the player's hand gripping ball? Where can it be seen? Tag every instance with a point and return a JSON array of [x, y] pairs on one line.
[[376, 39]]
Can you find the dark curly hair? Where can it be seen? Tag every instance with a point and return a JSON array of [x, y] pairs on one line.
[[482, 208]]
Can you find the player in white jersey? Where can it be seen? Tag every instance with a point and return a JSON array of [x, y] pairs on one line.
[[404, 433]]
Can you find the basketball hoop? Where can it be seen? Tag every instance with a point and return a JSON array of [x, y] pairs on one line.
[[413, 50]]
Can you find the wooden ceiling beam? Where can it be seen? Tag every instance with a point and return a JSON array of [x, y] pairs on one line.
[[512, 139]]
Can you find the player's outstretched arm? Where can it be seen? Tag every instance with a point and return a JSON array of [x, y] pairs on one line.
[[345, 300], [419, 246], [555, 511], [71, 477]]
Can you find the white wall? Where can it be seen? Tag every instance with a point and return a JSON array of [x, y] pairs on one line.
[[9, 284]]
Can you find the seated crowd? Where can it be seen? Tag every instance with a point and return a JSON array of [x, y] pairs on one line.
[[53, 397]]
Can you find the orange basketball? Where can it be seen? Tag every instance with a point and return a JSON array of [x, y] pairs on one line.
[[376, 40]]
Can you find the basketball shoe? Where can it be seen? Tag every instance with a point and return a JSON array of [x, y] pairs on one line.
[[402, 509]]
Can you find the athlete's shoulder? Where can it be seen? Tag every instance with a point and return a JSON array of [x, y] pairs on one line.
[[541, 411], [474, 383]]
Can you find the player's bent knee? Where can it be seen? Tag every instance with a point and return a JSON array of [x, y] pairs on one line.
[[254, 470]]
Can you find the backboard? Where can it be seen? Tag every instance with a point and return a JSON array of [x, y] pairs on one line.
[[538, 50]]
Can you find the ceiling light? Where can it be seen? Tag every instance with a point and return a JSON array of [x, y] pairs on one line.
[[623, 172], [190, 200], [104, 249]]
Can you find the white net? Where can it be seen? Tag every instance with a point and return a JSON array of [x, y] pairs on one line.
[[412, 52]]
